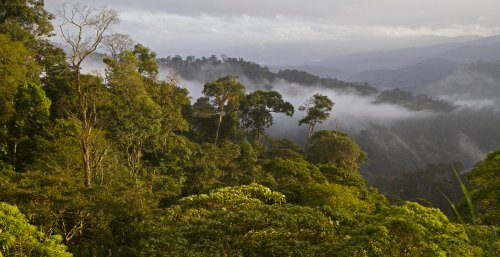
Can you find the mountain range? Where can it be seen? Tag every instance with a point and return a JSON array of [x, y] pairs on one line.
[[406, 67]]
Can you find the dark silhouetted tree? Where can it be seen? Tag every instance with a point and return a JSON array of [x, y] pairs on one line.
[[317, 110]]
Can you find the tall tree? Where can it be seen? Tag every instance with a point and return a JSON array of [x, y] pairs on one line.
[[318, 109], [25, 20], [135, 121], [32, 110], [257, 109], [224, 93], [172, 99], [147, 66], [83, 29], [17, 65], [118, 43]]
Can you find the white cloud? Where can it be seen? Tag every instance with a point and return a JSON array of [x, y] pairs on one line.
[[219, 32], [204, 25]]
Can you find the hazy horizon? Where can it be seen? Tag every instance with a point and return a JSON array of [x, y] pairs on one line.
[[312, 30]]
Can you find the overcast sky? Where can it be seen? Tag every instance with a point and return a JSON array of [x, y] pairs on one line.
[[202, 26]]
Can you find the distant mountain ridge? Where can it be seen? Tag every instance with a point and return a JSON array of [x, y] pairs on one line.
[[485, 49], [261, 77], [321, 71], [474, 53], [421, 73], [318, 52], [420, 66], [476, 84]]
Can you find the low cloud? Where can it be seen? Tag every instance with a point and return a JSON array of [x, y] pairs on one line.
[[204, 26], [397, 139], [467, 87]]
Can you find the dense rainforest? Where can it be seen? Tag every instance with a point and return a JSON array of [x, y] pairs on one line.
[[128, 164]]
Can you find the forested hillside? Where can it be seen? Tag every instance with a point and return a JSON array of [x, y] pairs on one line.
[[128, 164], [476, 85], [207, 69], [400, 131]]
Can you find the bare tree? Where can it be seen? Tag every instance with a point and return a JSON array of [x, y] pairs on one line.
[[118, 43], [83, 28]]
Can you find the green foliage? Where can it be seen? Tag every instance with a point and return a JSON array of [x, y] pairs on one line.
[[226, 164], [210, 166], [17, 66], [258, 107], [57, 79], [425, 186], [417, 102], [241, 221], [211, 68], [337, 175], [346, 202], [224, 91], [147, 66], [335, 148], [225, 95], [135, 122], [201, 117], [486, 188], [25, 19], [300, 77], [408, 230], [19, 238], [293, 177], [160, 188], [304, 183], [106, 218], [253, 221], [283, 148], [459, 217], [172, 101], [466, 196], [32, 110], [317, 109]]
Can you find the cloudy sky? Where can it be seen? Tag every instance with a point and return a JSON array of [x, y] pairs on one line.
[[207, 26]]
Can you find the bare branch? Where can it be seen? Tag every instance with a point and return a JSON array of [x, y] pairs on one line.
[[83, 29], [117, 43]]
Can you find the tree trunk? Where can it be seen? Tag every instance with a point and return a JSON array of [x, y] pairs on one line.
[[309, 136], [86, 162], [14, 155], [86, 129], [221, 112], [258, 135]]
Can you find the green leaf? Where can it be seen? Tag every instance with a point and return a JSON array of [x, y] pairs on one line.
[[467, 196], [454, 210], [491, 249]]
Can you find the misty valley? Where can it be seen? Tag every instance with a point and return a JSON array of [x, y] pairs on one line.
[[111, 145]]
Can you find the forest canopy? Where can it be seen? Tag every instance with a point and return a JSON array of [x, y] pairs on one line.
[[127, 164]]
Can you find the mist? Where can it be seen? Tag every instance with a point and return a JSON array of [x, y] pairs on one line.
[[475, 86], [397, 139], [351, 111]]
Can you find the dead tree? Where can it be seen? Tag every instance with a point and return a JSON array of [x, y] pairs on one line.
[[83, 28]]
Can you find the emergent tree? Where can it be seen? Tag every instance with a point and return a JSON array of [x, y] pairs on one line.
[[83, 28], [318, 109], [258, 107], [224, 93]]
